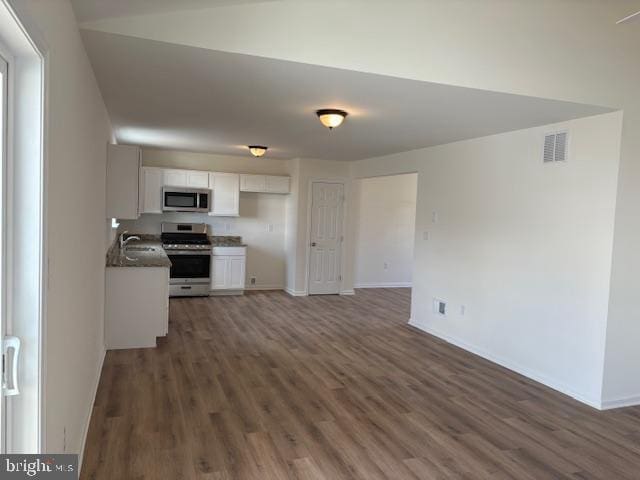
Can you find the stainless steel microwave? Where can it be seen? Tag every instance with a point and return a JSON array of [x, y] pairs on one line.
[[177, 199]]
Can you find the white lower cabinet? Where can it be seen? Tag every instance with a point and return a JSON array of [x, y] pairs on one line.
[[228, 265], [136, 306], [236, 272]]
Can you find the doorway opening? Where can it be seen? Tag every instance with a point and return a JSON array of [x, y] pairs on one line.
[[384, 231]]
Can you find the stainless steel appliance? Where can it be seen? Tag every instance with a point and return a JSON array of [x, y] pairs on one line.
[[178, 199], [189, 250]]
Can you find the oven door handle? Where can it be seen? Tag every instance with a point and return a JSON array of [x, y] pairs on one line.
[[205, 253]]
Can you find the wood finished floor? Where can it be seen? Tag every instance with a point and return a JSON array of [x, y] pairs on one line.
[[269, 386]]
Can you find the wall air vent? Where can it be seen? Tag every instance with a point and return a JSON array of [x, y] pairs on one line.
[[555, 147], [439, 307]]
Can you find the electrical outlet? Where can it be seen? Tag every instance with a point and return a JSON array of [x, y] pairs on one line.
[[64, 439], [270, 228], [434, 217], [386, 265], [463, 309], [227, 227], [425, 235], [252, 280]]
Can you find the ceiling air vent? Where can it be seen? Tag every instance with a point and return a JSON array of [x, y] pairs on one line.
[[555, 147]]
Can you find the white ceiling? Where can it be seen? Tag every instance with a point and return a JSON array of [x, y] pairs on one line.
[[92, 10], [177, 97]]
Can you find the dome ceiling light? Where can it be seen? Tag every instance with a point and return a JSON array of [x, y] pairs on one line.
[[257, 150], [331, 117]]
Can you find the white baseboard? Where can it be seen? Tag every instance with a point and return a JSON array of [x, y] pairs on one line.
[[384, 285], [295, 293], [527, 372], [264, 287], [632, 401], [347, 292], [83, 443]]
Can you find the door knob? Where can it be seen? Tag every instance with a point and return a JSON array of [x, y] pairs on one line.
[[313, 244]]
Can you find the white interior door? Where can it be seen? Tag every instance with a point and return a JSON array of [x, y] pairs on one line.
[[326, 238]]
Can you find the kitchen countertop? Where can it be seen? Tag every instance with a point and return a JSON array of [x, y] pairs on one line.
[[156, 257], [132, 258], [226, 241]]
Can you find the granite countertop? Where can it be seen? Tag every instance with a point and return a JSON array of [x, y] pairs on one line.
[[131, 257], [226, 241]]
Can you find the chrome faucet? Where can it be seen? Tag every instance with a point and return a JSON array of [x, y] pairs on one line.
[[123, 242]]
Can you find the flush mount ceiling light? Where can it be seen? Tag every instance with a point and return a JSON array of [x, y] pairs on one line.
[[257, 150], [331, 117]]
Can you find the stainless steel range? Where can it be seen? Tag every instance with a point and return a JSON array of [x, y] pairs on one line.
[[189, 250]]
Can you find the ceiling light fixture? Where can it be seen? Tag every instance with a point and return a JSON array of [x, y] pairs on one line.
[[257, 150], [331, 117]]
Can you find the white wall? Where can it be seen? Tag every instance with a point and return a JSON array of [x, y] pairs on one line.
[[291, 226], [77, 135], [524, 246], [385, 225]]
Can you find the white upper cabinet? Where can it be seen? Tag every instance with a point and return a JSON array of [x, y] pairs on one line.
[[151, 183], [225, 188], [198, 179], [264, 183], [252, 183], [123, 169], [176, 178], [186, 178], [277, 184]]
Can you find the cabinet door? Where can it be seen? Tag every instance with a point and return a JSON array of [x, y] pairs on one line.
[[123, 170], [219, 272], [151, 181], [175, 178], [252, 183], [198, 179], [236, 272], [276, 184], [226, 194]]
